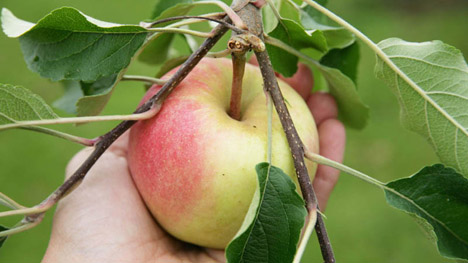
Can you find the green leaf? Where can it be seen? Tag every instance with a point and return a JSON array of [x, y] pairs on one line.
[[273, 224], [160, 44], [312, 18], [67, 44], [346, 60], [164, 8], [294, 35], [336, 36], [158, 49], [87, 98], [70, 97], [352, 111], [171, 64], [434, 101], [3, 239], [286, 11], [439, 195], [20, 104], [97, 94]]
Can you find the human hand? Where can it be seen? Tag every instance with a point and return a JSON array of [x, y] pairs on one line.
[[105, 220]]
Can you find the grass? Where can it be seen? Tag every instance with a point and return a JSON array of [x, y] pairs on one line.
[[362, 227]]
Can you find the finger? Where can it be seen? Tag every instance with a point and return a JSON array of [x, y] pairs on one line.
[[77, 160], [302, 81], [109, 171], [332, 139], [105, 209], [120, 146], [104, 185], [253, 60], [323, 107]]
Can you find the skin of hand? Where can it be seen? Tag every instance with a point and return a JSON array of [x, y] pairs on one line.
[[105, 220]]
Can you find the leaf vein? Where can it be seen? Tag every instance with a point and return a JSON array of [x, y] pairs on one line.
[[427, 62]]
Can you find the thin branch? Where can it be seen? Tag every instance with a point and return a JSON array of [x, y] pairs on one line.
[[309, 227], [324, 241], [24, 211], [236, 20], [21, 228], [146, 79], [222, 22], [181, 31], [297, 152], [153, 104], [59, 134], [270, 127], [133, 117], [252, 17], [189, 21], [219, 54], [7, 201], [339, 166], [295, 143]]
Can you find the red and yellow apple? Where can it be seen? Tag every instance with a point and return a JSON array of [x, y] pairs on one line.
[[194, 165]]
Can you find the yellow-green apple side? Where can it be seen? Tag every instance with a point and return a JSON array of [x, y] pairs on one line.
[[195, 166]]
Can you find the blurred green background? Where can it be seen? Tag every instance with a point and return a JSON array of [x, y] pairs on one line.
[[362, 227]]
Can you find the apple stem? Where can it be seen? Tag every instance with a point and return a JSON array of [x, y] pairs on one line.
[[238, 67], [106, 140]]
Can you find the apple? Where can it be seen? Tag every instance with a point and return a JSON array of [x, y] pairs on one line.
[[194, 165]]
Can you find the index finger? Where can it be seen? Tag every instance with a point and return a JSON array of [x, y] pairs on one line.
[[302, 81]]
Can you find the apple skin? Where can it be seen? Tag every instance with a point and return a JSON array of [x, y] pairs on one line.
[[194, 165]]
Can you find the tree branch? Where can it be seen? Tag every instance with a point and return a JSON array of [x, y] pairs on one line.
[[253, 20], [180, 31], [295, 143], [222, 22], [297, 152]]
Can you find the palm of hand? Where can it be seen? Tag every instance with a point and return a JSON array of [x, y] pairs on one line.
[[105, 220]]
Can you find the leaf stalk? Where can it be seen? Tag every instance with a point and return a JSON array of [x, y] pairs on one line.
[[131, 117], [180, 31], [59, 134], [339, 166], [146, 79]]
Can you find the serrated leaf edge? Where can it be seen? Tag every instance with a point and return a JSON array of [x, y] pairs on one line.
[[420, 208], [427, 99]]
